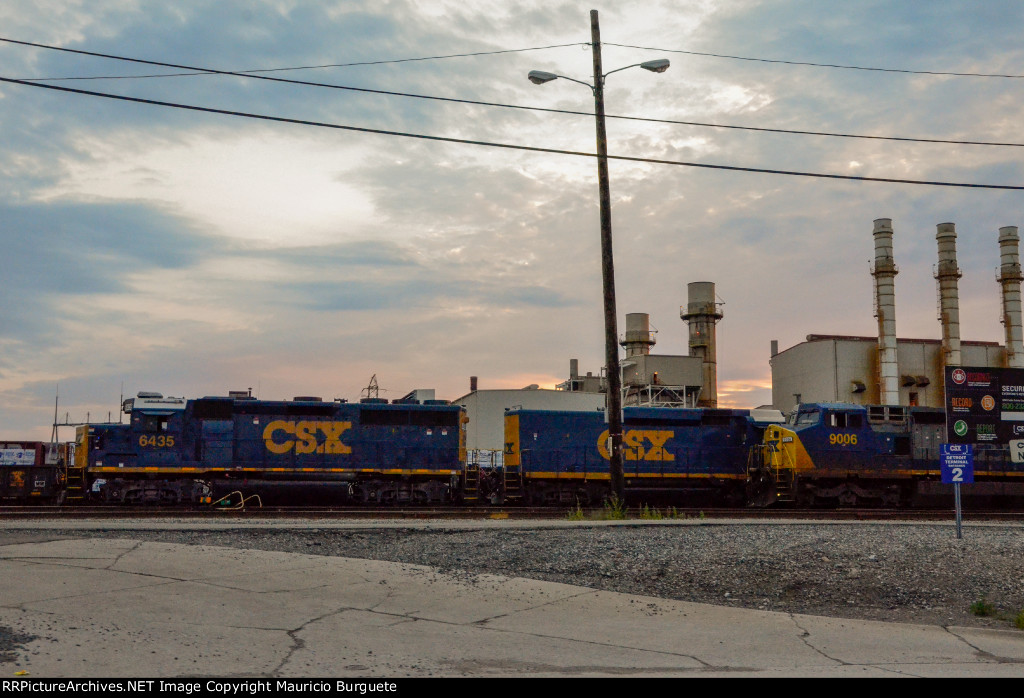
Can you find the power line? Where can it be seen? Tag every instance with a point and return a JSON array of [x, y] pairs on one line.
[[249, 74], [820, 65], [508, 146], [256, 71]]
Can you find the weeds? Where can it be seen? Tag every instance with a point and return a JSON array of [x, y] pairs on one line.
[[651, 514], [1018, 622], [614, 509], [983, 608]]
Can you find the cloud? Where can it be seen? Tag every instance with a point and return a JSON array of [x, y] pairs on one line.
[[191, 254]]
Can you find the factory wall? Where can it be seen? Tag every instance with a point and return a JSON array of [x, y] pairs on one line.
[[845, 369]]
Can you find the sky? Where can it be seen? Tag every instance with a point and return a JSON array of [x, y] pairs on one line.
[[191, 253]]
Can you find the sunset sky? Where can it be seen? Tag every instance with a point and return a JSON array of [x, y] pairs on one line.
[[147, 247]]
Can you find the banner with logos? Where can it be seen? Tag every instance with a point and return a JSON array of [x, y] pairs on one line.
[[984, 405]]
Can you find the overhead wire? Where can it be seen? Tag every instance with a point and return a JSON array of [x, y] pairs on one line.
[[250, 74], [820, 65], [508, 146], [253, 71]]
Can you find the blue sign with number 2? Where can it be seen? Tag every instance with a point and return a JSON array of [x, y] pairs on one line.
[[957, 463]]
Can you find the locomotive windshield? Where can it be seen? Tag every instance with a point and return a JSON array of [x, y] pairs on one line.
[[808, 417]]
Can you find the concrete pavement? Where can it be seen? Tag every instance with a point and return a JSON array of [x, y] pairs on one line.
[[124, 608]]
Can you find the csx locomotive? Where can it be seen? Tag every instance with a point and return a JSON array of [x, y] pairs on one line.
[[174, 451]]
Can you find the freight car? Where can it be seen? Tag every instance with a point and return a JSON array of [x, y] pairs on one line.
[[676, 455], [31, 471], [174, 450], [875, 455]]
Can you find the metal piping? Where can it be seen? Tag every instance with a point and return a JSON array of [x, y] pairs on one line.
[[885, 271], [1009, 279], [702, 313], [947, 274]]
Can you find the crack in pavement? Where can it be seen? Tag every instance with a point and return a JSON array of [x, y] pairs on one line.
[[298, 643], [983, 654], [804, 634]]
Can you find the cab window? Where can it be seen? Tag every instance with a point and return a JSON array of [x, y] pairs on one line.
[[809, 417], [845, 420], [154, 424]]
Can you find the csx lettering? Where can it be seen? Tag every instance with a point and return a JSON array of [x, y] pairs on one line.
[[303, 437], [962, 402], [640, 444]]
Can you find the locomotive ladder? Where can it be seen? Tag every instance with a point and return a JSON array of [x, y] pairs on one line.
[[74, 484], [513, 481], [784, 475], [784, 489], [471, 484]]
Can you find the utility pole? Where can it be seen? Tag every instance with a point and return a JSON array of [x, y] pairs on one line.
[[613, 401], [613, 380]]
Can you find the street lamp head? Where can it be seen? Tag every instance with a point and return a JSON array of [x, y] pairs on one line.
[[539, 77], [657, 66]]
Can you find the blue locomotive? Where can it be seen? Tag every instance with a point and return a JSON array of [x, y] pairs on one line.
[[174, 450], [874, 455], [677, 454]]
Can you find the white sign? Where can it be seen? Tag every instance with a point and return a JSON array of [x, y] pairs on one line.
[[17, 456], [1017, 451]]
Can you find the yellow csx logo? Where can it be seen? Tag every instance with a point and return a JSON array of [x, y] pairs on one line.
[[640, 444], [281, 437]]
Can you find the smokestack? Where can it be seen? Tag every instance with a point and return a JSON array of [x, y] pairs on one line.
[[639, 338], [472, 384], [702, 313], [947, 274], [574, 368], [885, 272], [1009, 279]]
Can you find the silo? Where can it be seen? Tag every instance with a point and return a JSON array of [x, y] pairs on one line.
[[1009, 281], [885, 271], [947, 275], [703, 313]]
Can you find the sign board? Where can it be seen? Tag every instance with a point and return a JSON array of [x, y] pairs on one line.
[[17, 456], [984, 405], [1017, 451], [956, 462]]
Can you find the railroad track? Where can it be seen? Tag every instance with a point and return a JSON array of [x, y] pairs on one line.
[[479, 513]]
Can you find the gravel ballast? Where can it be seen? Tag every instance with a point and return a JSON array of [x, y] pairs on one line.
[[913, 573]]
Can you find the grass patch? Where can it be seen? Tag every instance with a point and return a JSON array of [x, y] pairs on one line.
[[614, 509], [576, 514], [651, 514], [983, 608]]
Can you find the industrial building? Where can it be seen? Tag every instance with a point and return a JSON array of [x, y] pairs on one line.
[[886, 370], [654, 380], [485, 412]]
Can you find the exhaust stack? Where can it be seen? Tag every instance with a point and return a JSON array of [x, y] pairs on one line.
[[638, 339], [885, 271], [947, 274], [1009, 279], [702, 313]]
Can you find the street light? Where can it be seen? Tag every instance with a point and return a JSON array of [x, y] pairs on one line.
[[614, 395]]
